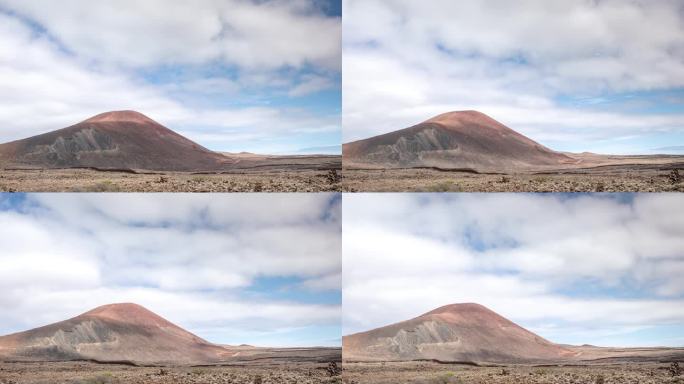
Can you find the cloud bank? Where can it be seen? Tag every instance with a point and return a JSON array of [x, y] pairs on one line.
[[577, 75], [594, 269], [233, 269], [231, 74]]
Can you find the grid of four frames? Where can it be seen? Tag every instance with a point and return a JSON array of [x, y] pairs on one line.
[[492, 194]]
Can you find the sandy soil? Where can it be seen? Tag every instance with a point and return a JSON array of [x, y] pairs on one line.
[[91, 373], [433, 373], [85, 180], [612, 179]]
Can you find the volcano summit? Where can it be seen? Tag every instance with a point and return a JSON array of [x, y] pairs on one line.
[[129, 333], [125, 150], [111, 333], [472, 333], [468, 151], [456, 332], [113, 140], [465, 139]]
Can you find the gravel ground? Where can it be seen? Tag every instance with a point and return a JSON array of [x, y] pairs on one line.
[[82, 180], [91, 373], [427, 180], [432, 373]]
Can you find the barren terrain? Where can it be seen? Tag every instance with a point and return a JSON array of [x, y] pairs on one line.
[[87, 180], [127, 343], [471, 152], [466, 332], [129, 152], [609, 179], [93, 373], [461, 139], [468, 343], [436, 373]]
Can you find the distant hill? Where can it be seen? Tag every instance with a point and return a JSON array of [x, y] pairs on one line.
[[112, 333], [456, 333], [113, 140], [459, 140]]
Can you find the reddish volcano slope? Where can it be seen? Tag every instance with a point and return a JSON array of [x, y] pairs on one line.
[[112, 140], [115, 332], [457, 332], [457, 140]]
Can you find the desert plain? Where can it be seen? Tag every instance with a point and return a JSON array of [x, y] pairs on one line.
[[468, 343], [126, 343], [83, 372], [668, 178], [91, 180], [468, 151], [426, 372], [126, 151]]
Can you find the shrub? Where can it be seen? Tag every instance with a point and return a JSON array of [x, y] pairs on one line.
[[101, 379], [447, 378], [333, 369], [444, 186], [333, 176], [104, 186]]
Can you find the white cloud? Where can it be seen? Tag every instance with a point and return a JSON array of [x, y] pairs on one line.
[[329, 282], [43, 254], [196, 259], [225, 317], [73, 70], [311, 84], [405, 62], [44, 90], [267, 34], [551, 263]]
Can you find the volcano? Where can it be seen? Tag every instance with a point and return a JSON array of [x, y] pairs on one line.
[[109, 141], [111, 333], [453, 333], [455, 140]]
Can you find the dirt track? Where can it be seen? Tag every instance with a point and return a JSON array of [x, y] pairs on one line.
[[84, 180], [433, 373], [429, 180], [91, 373]]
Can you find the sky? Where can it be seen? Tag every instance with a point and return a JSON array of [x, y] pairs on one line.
[[600, 269], [604, 76], [232, 75], [255, 269]]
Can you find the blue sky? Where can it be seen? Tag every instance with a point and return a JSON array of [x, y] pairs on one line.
[[605, 77], [233, 75], [601, 269], [223, 267]]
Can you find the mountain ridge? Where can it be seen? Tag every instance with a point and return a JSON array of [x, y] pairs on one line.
[[458, 139], [112, 333], [465, 332], [113, 140]]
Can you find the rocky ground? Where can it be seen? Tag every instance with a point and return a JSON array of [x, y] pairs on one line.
[[92, 373], [84, 180], [433, 373], [429, 180]]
